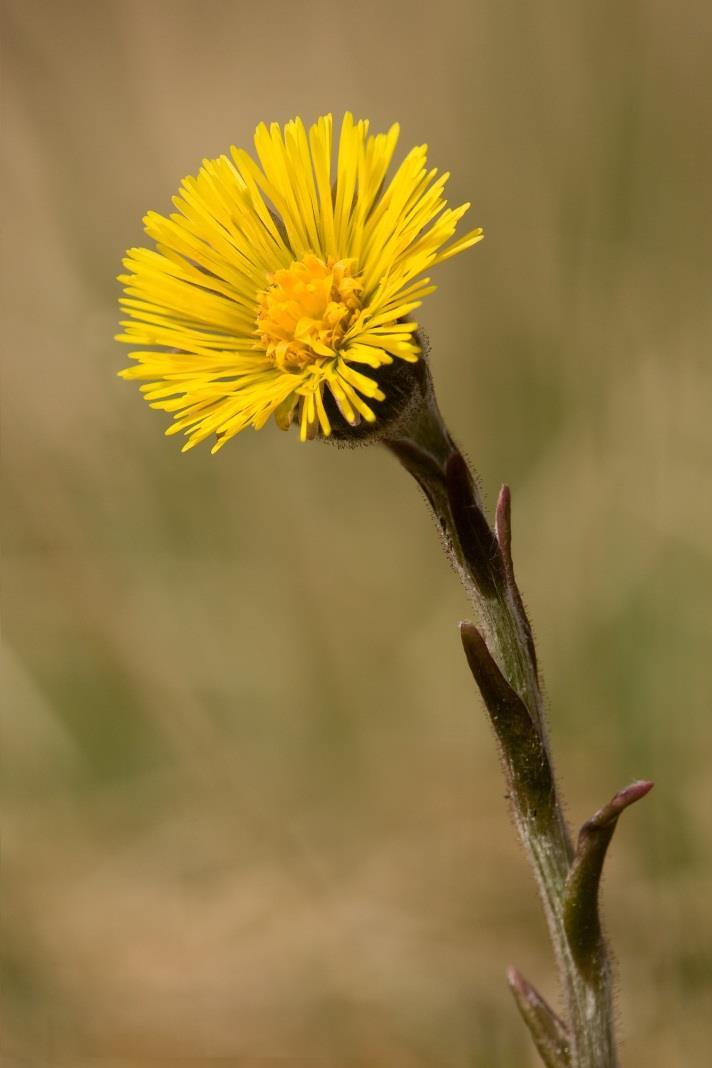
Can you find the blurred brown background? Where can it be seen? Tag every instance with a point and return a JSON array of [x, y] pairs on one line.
[[251, 803]]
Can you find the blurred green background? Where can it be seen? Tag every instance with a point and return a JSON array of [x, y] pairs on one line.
[[251, 802]]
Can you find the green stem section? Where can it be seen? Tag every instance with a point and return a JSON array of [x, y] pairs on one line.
[[503, 660]]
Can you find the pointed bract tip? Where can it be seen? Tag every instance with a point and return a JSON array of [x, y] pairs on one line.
[[619, 802], [629, 794], [516, 980]]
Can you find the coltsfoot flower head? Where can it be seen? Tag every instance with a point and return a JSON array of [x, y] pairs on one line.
[[274, 286]]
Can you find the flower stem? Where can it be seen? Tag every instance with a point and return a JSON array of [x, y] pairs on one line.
[[501, 655]]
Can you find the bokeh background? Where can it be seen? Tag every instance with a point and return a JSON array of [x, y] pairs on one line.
[[251, 803]]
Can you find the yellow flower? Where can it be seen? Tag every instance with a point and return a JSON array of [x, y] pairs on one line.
[[272, 284]]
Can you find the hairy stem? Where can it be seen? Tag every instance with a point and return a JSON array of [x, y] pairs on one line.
[[501, 654]]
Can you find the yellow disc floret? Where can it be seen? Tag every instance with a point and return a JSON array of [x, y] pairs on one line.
[[307, 310]]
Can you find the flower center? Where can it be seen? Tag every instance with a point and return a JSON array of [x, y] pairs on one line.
[[305, 312]]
